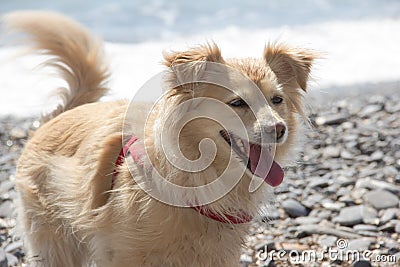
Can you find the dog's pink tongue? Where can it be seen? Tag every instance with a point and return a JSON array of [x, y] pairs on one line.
[[267, 168]]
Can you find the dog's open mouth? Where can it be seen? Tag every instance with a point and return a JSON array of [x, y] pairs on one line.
[[258, 159]]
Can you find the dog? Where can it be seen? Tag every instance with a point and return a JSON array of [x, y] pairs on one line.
[[85, 195]]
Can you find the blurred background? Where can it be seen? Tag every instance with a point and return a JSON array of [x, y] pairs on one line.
[[358, 39]]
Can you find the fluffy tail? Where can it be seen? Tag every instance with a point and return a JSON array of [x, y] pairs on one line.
[[74, 53]]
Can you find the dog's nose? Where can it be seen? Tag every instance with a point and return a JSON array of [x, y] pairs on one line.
[[280, 130]]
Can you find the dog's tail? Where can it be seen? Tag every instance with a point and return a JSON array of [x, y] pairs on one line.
[[76, 54]]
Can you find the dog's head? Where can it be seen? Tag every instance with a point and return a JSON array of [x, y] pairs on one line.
[[250, 107]]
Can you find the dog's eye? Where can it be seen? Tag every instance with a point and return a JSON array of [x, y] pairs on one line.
[[277, 100], [238, 103]]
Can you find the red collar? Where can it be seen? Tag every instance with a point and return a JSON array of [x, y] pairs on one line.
[[137, 152]]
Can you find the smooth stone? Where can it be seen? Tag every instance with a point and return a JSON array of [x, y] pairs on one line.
[[381, 199], [345, 154], [312, 200], [376, 184], [294, 208], [331, 119], [389, 227], [6, 209], [331, 152], [245, 259], [365, 227], [324, 214], [309, 229], [368, 233], [350, 216], [307, 220], [343, 191], [388, 215], [376, 156], [392, 107], [360, 244], [370, 215], [6, 186], [319, 182], [13, 246], [397, 228], [336, 206], [327, 241], [369, 110], [345, 181], [12, 260], [362, 263], [18, 133], [3, 258]]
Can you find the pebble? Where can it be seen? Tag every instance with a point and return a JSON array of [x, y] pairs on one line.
[[360, 244], [14, 246], [365, 227], [3, 258], [376, 184], [331, 152], [381, 199], [369, 110], [327, 241], [331, 119], [294, 208], [12, 260], [350, 216], [388, 215], [6, 209], [362, 263], [309, 229], [18, 133], [376, 156]]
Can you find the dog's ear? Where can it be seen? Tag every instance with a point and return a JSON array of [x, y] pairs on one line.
[[208, 52], [188, 67], [291, 66]]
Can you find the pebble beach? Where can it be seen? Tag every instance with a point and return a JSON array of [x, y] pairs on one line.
[[343, 193]]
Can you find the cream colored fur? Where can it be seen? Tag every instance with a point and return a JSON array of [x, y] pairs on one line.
[[69, 215]]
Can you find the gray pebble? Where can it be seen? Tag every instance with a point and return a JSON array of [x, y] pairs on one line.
[[327, 241], [3, 258], [18, 133], [331, 152], [13, 246], [388, 215], [331, 119], [6, 209], [376, 184], [6, 186], [12, 260], [307, 220], [381, 199], [365, 227], [376, 156], [350, 216], [294, 208], [362, 263], [360, 244], [397, 228], [369, 110]]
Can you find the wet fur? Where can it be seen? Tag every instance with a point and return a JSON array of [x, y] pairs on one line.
[[68, 214]]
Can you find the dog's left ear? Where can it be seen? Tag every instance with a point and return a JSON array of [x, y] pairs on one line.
[[291, 66], [189, 66], [208, 52]]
